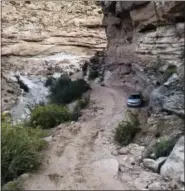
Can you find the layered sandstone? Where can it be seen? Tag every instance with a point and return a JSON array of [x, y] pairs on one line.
[[32, 31], [149, 37], [33, 28]]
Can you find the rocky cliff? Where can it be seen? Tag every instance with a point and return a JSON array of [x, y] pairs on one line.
[[33, 29], [154, 29], [149, 36]]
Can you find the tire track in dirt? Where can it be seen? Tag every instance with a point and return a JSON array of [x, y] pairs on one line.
[[91, 142]]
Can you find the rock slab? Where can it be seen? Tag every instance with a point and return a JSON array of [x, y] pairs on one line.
[[174, 165]]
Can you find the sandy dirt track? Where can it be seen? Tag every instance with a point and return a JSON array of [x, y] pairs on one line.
[[79, 156]]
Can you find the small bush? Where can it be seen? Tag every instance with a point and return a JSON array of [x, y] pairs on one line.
[[49, 116], [95, 59], [81, 104], [164, 147], [31, 106], [84, 68], [65, 91], [84, 101], [93, 74], [6, 117], [20, 150], [49, 82], [76, 113], [15, 185], [169, 71], [126, 130]]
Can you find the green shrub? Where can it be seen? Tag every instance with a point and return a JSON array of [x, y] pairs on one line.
[[49, 116], [81, 104], [95, 59], [164, 147], [76, 113], [84, 101], [126, 130], [6, 117], [13, 185], [93, 74], [20, 150], [31, 106], [84, 68], [169, 71], [49, 82], [65, 91]]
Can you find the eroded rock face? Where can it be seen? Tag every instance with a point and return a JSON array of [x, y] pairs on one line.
[[153, 28], [9, 92], [34, 28], [31, 30], [174, 165], [169, 96]]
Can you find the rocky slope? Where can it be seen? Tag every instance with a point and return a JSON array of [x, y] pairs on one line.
[[32, 31]]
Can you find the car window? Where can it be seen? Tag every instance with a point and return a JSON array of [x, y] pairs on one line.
[[135, 97]]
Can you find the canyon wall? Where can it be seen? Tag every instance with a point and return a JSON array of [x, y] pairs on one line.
[[148, 29], [32, 30], [149, 36]]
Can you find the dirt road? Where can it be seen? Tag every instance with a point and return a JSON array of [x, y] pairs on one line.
[[80, 156]]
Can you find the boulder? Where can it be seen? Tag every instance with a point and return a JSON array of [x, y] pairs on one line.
[[149, 163], [154, 164], [124, 151], [169, 96], [174, 166]]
